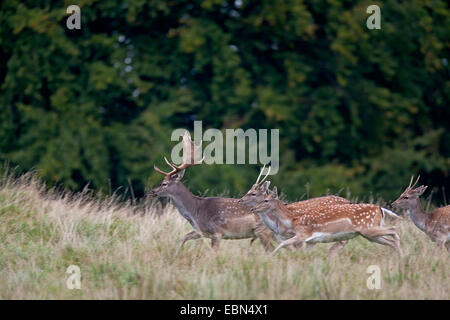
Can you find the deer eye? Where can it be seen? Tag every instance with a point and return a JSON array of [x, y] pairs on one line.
[[266, 200], [253, 194], [406, 198], [164, 183]]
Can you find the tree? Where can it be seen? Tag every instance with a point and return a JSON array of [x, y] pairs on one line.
[[98, 104]]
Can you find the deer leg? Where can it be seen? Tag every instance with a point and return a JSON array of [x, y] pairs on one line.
[[378, 235], [392, 242], [337, 247], [379, 232], [292, 247], [190, 236], [441, 241], [215, 241], [395, 244], [293, 240], [265, 236], [382, 239], [439, 245]]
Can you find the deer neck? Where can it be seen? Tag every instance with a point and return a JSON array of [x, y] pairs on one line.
[[185, 202], [418, 215], [276, 222], [283, 215]]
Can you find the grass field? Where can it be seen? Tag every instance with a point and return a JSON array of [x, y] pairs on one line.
[[123, 255]]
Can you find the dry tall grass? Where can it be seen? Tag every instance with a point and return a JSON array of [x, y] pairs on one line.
[[126, 256]]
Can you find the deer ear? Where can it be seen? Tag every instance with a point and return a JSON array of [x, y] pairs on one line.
[[265, 186], [275, 192], [178, 176], [420, 190]]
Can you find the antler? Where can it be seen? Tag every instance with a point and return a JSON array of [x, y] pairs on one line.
[[410, 182], [174, 169], [260, 173], [411, 186], [418, 177], [265, 177], [190, 150]]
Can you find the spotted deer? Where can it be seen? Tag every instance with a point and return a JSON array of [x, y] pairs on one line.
[[435, 224], [215, 218], [330, 223], [260, 190]]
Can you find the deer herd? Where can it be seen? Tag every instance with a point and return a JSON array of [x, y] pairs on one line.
[[261, 214]]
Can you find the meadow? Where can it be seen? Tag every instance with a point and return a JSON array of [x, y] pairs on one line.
[[125, 251]]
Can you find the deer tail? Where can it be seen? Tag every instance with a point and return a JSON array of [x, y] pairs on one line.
[[389, 213]]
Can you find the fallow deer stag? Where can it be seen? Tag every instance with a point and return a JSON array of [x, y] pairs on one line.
[[260, 190], [212, 217], [435, 224], [330, 223]]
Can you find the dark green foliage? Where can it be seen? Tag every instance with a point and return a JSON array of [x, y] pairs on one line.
[[356, 108]]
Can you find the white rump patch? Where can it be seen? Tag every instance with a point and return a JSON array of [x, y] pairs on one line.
[[389, 213]]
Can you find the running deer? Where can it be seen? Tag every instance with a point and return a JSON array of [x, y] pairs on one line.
[[260, 190], [435, 224], [330, 223], [212, 217]]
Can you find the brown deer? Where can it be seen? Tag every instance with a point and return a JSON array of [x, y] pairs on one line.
[[212, 217], [435, 224], [330, 223], [260, 190]]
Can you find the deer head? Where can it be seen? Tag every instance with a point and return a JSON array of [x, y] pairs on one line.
[[172, 179], [409, 197], [268, 204], [271, 211], [257, 192]]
